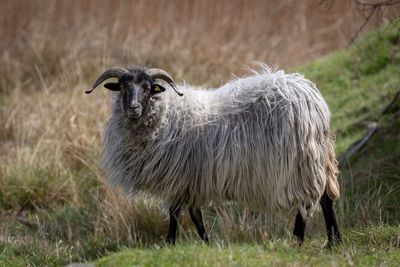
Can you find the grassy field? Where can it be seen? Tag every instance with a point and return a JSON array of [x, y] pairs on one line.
[[56, 207], [376, 246]]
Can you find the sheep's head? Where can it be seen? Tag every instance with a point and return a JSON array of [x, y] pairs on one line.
[[136, 86]]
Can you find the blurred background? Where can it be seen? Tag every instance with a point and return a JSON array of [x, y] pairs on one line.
[[54, 202], [191, 38]]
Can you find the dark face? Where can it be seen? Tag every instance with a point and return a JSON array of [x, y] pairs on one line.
[[135, 92]]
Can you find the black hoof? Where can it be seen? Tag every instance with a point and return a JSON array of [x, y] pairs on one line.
[[170, 241]]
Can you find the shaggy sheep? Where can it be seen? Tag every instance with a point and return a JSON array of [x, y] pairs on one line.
[[262, 140]]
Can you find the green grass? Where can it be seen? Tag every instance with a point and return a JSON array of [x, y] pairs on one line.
[[358, 82], [377, 246]]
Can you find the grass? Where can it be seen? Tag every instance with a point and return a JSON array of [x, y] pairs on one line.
[[358, 82], [377, 246], [57, 208]]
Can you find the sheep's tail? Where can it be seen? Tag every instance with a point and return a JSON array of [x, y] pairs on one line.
[[332, 184]]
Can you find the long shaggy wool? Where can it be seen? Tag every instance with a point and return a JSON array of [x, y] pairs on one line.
[[263, 140]]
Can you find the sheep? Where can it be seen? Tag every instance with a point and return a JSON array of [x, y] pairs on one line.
[[263, 140]]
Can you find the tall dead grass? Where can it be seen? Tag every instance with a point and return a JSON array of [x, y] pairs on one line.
[[52, 50], [200, 41]]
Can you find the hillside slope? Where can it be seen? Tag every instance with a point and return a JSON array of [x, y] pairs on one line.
[[359, 81], [358, 84]]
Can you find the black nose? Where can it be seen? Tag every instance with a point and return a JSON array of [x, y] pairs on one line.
[[135, 106]]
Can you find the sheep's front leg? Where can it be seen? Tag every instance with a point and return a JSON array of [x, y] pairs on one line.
[[197, 218], [174, 211], [299, 228]]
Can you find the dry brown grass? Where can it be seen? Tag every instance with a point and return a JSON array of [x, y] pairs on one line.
[[52, 50], [200, 41]]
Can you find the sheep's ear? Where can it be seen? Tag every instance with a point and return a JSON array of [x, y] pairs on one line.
[[112, 86], [156, 88]]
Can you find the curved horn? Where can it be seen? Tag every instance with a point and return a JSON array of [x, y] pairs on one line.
[[162, 74], [115, 72]]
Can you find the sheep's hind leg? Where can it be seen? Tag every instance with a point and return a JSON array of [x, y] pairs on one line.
[[197, 218], [332, 229], [299, 228], [174, 212]]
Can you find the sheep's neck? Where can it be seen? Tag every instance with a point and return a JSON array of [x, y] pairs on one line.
[[143, 130]]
